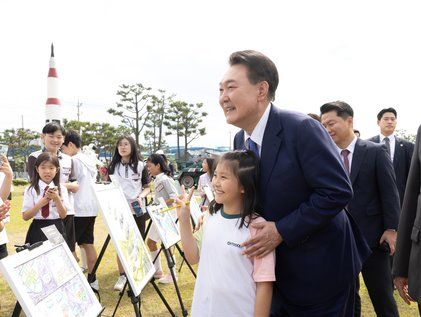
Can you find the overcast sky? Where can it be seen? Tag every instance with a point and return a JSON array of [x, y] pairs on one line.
[[367, 53]]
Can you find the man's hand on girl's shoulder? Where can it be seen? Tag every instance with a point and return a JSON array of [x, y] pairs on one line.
[[265, 241]]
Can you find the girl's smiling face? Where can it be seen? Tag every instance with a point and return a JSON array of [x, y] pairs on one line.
[[228, 189]]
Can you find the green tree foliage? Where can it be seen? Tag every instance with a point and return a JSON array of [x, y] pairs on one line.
[[157, 110], [173, 122], [184, 120], [133, 107], [21, 143]]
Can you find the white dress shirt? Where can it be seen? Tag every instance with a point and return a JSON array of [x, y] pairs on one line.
[[351, 149], [30, 198], [259, 130], [392, 140]]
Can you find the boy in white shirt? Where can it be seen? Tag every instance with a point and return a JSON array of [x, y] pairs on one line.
[[86, 208]]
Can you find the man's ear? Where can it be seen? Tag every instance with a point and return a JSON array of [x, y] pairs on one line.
[[378, 122], [263, 90]]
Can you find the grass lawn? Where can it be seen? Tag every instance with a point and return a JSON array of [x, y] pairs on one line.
[[107, 276]]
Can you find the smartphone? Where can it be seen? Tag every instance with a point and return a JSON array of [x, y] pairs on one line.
[[137, 209]]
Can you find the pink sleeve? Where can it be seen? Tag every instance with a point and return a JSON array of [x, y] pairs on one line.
[[263, 268]]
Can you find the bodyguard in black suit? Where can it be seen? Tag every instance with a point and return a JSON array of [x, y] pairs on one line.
[[375, 205], [401, 152]]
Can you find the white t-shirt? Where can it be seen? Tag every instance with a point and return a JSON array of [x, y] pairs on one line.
[[84, 170], [226, 279], [30, 198]]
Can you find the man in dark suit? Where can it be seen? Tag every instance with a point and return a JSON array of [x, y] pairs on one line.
[[407, 262], [303, 190], [375, 205], [400, 150]]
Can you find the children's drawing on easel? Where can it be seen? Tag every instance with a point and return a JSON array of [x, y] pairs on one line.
[[195, 210], [125, 235], [208, 193], [167, 229], [48, 282]]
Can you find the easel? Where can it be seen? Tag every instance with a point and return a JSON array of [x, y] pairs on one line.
[[18, 308], [180, 251], [135, 300]]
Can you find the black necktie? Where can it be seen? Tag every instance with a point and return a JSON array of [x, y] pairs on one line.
[[387, 142]]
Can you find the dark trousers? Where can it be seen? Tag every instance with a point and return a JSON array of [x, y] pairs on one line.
[[378, 280], [340, 305]]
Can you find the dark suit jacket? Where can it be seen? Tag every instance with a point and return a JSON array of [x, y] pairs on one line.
[[304, 189], [375, 205], [407, 260], [401, 161]]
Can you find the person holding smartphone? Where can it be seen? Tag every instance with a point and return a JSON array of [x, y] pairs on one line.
[[128, 168]]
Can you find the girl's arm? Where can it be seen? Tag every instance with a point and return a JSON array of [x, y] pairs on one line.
[[186, 231], [31, 212], [1, 226], [263, 299], [145, 192], [8, 177]]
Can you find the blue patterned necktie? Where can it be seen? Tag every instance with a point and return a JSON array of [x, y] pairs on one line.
[[252, 146]]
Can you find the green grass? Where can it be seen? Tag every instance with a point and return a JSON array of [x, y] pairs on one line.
[[107, 275]]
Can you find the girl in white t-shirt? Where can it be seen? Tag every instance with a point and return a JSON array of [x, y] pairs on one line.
[[128, 168], [164, 188], [45, 200], [228, 282], [208, 166]]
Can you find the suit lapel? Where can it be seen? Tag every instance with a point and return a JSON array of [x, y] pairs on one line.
[[239, 141], [272, 140], [357, 159]]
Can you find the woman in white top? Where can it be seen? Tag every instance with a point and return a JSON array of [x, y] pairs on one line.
[[129, 170], [205, 180], [6, 175]]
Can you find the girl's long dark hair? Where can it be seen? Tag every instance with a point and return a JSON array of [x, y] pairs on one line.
[[159, 159], [46, 157], [134, 155], [244, 165]]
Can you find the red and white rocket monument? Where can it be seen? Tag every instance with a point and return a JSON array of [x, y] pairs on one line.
[[52, 106]]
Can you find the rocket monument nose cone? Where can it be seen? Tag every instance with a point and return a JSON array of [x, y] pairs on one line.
[[52, 50]]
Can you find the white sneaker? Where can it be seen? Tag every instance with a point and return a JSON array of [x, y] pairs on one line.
[[120, 283], [167, 279], [95, 285]]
